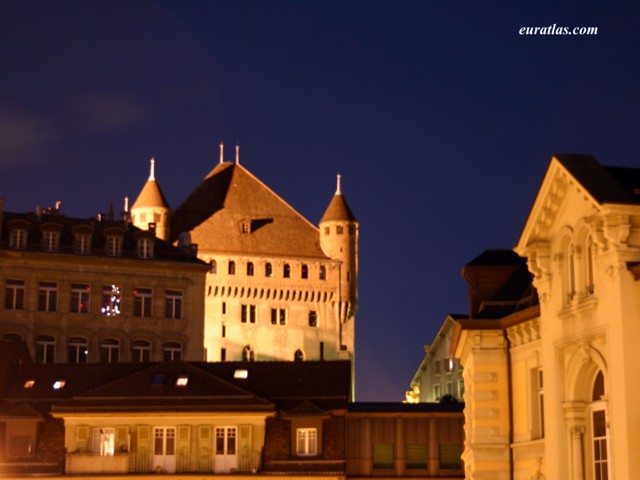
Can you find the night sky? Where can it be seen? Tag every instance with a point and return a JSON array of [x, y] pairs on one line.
[[439, 115]]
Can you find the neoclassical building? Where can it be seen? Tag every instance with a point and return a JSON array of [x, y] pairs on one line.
[[278, 287], [550, 389]]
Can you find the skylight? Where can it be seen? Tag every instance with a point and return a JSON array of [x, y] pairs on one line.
[[241, 374], [29, 384], [58, 384], [158, 379], [182, 380]]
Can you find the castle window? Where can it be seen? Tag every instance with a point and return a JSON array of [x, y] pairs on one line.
[[114, 245], [323, 272], [18, 239], [82, 243], [232, 267], [246, 228], [171, 351], [173, 304], [248, 355], [248, 313], [339, 229], [145, 247], [327, 230], [286, 270], [78, 350], [278, 316], [45, 349], [223, 354], [352, 230], [250, 269], [50, 241], [14, 295], [110, 350], [298, 356], [80, 293], [304, 271], [268, 270], [47, 296], [142, 301], [213, 266], [141, 351], [306, 441], [224, 330], [313, 318]]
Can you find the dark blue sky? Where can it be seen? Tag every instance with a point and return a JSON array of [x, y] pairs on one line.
[[438, 114]]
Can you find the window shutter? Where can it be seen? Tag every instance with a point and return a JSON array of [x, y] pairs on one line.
[[204, 448], [122, 439], [82, 438], [245, 463], [143, 448], [184, 447]]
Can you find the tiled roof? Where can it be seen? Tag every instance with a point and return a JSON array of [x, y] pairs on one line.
[[233, 211], [339, 210], [605, 184]]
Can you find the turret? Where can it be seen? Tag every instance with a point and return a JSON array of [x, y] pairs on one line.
[[339, 240], [151, 210]]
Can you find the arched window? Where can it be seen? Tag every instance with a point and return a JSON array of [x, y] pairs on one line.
[[250, 269], [286, 270], [298, 356], [172, 351], [590, 257], [110, 350], [141, 351], [78, 350], [12, 337], [599, 430], [323, 272], [268, 270], [248, 355], [232, 267], [213, 266], [571, 273]]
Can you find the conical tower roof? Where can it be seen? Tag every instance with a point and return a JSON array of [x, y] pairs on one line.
[[151, 195], [338, 209]]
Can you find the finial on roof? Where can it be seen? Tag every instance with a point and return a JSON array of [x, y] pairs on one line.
[[338, 189], [152, 169], [221, 152], [126, 204], [237, 154]]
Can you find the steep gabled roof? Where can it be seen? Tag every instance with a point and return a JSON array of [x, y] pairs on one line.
[[233, 211]]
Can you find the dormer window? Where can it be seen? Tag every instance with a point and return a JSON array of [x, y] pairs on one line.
[[145, 247], [59, 384], [82, 243], [50, 241], [114, 245], [29, 383], [18, 239]]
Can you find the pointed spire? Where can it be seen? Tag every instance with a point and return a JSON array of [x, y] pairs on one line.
[[221, 152], [152, 170], [237, 154], [338, 188], [126, 204]]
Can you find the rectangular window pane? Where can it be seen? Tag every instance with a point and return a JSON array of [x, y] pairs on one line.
[[416, 455], [80, 298], [383, 455], [450, 455]]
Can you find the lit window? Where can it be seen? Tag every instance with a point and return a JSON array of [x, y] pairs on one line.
[[58, 384], [450, 365], [145, 247], [50, 241], [304, 271], [173, 304], [29, 384], [78, 350], [111, 300], [306, 441], [182, 381], [172, 351], [142, 301], [232, 267], [141, 351], [286, 270], [103, 441], [47, 296], [250, 269], [114, 245], [110, 350], [82, 243], [80, 294], [18, 239], [14, 295], [45, 349], [241, 374]]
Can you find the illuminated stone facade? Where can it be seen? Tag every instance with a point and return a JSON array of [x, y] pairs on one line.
[[278, 287]]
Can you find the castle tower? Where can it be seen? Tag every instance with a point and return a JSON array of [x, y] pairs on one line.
[[339, 240], [151, 210]]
